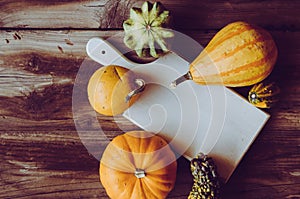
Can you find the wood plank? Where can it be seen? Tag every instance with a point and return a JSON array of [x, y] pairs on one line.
[[44, 171], [59, 165], [271, 14], [266, 166], [43, 41]]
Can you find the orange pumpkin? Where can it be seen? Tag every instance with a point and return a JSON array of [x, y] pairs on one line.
[[108, 88], [138, 165]]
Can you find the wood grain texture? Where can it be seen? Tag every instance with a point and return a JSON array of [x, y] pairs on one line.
[[110, 14], [42, 47], [55, 164]]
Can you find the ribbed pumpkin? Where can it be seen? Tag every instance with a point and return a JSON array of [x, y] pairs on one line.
[[138, 165], [240, 54]]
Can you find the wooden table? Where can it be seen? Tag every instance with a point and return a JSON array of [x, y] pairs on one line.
[[42, 46]]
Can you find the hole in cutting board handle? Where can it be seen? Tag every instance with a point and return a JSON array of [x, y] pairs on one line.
[[104, 53]]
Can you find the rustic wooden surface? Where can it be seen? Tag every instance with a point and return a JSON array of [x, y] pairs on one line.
[[42, 46]]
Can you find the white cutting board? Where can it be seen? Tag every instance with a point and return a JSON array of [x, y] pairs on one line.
[[210, 119]]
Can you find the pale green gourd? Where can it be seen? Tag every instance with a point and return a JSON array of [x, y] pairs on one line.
[[145, 30]]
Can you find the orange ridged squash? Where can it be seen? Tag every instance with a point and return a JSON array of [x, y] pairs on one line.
[[138, 165], [240, 54]]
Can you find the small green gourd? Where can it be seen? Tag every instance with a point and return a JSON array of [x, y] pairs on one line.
[[145, 29]]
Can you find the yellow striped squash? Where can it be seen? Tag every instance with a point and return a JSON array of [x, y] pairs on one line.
[[240, 54]]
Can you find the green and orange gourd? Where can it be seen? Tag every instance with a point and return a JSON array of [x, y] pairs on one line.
[[240, 54], [264, 95]]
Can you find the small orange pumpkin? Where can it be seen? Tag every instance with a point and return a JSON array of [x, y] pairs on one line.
[[109, 88], [138, 165]]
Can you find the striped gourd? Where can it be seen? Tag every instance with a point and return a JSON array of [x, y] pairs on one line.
[[240, 54]]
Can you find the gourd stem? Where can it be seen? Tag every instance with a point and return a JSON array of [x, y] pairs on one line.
[[141, 86], [179, 80], [139, 173]]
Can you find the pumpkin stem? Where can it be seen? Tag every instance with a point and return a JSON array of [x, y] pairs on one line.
[[179, 80], [139, 173], [148, 27], [141, 86]]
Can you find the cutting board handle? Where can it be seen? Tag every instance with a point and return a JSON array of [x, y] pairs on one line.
[[104, 53]]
